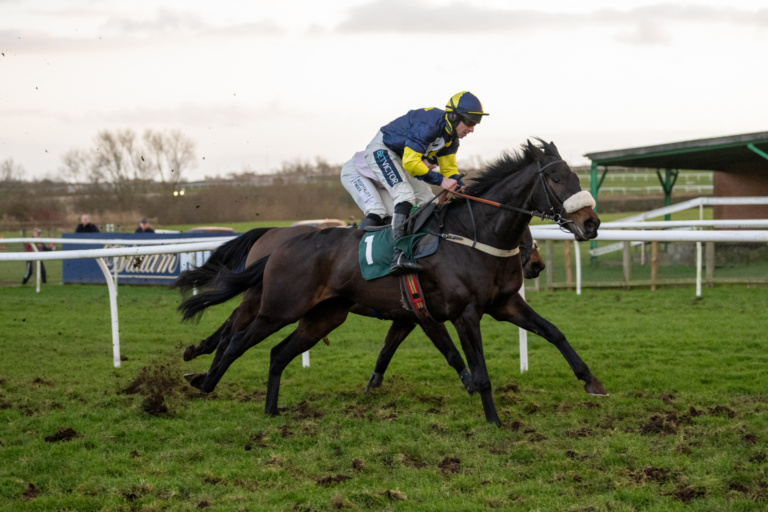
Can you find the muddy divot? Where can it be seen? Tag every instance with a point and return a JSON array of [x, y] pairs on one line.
[[450, 465], [650, 474], [333, 480], [303, 411], [580, 432], [31, 492], [664, 424], [63, 434], [721, 410], [687, 494]]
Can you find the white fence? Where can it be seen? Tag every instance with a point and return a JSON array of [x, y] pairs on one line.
[[171, 246], [608, 231]]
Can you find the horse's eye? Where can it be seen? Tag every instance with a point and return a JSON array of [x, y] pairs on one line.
[[555, 178]]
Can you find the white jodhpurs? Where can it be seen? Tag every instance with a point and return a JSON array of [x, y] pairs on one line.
[[367, 196], [387, 166]]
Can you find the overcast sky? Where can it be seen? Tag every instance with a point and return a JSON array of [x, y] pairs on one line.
[[255, 83]]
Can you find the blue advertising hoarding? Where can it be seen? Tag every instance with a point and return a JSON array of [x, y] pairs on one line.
[[152, 269]]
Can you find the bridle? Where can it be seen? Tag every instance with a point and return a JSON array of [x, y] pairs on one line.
[[548, 193], [553, 215]]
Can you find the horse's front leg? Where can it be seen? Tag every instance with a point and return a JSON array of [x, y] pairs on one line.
[[517, 311], [468, 328]]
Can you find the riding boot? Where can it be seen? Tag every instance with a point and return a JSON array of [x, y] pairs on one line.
[[401, 264], [370, 220]]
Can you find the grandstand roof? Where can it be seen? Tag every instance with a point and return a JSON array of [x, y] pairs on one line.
[[715, 154]]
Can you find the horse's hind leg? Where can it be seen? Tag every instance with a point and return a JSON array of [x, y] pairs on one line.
[[313, 327], [231, 349], [398, 331], [239, 320], [209, 344], [440, 338]]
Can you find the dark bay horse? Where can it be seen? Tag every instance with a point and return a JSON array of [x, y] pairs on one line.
[[314, 279], [261, 242]]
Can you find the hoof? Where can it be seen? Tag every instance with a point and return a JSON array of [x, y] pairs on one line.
[[595, 388], [374, 382], [195, 379], [190, 353]]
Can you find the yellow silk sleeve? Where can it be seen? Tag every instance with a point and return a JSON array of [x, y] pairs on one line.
[[448, 165], [412, 163]]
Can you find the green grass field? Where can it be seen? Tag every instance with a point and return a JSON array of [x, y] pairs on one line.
[[685, 427]]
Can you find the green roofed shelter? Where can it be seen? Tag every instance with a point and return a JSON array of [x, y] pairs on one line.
[[739, 162]]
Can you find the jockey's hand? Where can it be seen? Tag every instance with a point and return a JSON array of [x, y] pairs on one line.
[[429, 164], [449, 184], [461, 185]]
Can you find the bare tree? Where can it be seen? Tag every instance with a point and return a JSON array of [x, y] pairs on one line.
[[113, 164], [171, 154], [133, 147], [11, 176], [75, 165]]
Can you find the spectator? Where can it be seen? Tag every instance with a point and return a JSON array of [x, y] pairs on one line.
[[144, 227], [85, 225], [40, 247]]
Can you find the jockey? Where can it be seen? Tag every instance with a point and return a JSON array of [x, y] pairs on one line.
[[398, 157]]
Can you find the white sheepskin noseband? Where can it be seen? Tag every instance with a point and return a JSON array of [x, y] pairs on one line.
[[578, 201]]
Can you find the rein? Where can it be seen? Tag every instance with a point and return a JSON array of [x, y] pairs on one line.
[[555, 217]]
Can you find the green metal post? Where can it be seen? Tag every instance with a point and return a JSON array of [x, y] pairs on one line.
[[667, 184], [594, 186], [754, 148]]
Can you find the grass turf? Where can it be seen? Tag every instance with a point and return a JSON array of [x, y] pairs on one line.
[[683, 429]]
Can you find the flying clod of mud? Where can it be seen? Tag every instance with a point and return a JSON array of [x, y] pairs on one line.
[[156, 382]]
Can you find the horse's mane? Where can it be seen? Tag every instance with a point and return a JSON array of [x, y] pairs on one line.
[[508, 163]]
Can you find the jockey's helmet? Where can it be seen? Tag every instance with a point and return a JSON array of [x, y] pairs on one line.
[[466, 107]]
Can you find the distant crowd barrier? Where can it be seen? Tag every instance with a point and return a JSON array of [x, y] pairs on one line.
[[150, 269]]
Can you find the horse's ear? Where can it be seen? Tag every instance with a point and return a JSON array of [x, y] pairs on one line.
[[536, 153], [553, 149]]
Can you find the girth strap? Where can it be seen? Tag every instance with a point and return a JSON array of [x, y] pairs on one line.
[[413, 296], [493, 251]]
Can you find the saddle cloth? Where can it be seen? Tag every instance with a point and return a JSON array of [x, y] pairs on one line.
[[375, 250]]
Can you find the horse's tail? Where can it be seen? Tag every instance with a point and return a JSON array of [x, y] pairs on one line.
[[225, 286], [231, 256]]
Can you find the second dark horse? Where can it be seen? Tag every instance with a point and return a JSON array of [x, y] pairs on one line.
[[261, 242]]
